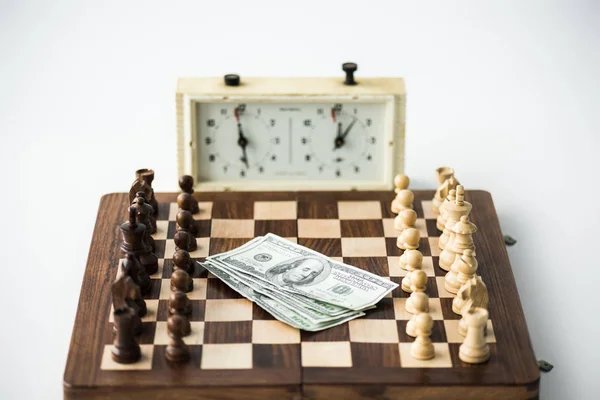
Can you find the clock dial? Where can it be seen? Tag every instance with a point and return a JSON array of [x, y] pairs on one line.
[[290, 141]]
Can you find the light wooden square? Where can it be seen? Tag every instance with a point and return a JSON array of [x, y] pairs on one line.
[[201, 251], [161, 336], [395, 270], [162, 228], [421, 226], [145, 363], [319, 228], [427, 206], [441, 360], [388, 228], [232, 228], [364, 247], [292, 239], [273, 332], [433, 246], [205, 211], [435, 309], [359, 210], [326, 354], [198, 293], [226, 356], [373, 331], [228, 310], [451, 326], [275, 210], [340, 259], [442, 292]]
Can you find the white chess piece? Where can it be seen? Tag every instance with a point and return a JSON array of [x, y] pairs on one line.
[[405, 219], [421, 304], [404, 200], [411, 260], [422, 348], [474, 349], [418, 283], [408, 239], [472, 294]]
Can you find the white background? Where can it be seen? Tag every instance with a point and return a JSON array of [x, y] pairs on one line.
[[506, 92]]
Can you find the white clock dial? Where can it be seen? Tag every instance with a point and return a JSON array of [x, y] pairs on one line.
[[251, 141]]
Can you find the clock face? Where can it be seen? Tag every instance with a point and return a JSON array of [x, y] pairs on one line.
[[290, 141]]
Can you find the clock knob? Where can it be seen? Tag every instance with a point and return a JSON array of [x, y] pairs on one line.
[[349, 69], [232, 80]]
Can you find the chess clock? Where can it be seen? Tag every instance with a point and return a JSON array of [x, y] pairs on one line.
[[291, 133]]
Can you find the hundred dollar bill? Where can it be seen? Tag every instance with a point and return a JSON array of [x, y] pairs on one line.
[[297, 269], [299, 301], [275, 308]]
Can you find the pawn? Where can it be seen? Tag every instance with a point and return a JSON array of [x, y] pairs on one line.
[[132, 268], [403, 201], [422, 348], [185, 222], [474, 349], [148, 206], [186, 183], [179, 303], [421, 303], [409, 239], [467, 263], [181, 280], [125, 349], [414, 262], [177, 350], [401, 182], [418, 283], [185, 241], [183, 261], [405, 219]]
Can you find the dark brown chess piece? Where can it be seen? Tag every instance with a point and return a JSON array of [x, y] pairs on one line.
[[132, 268], [125, 349], [133, 242], [125, 293], [144, 211], [181, 280], [189, 203], [177, 350], [185, 241], [134, 297], [179, 303], [185, 222], [149, 211], [183, 260], [140, 184]]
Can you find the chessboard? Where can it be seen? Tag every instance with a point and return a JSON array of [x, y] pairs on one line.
[[239, 351]]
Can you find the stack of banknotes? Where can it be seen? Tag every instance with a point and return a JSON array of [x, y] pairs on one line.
[[296, 285]]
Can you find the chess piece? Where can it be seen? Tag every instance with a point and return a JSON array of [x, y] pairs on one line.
[[189, 203], [447, 182], [185, 222], [134, 298], [413, 261], [125, 349], [404, 200], [401, 182], [148, 213], [132, 268], [440, 222], [177, 350], [185, 241], [453, 210], [408, 239], [422, 348], [462, 325], [474, 349], [418, 283], [467, 263], [144, 213], [470, 295], [179, 303], [183, 260], [133, 242], [405, 219], [181, 280], [421, 304], [143, 182]]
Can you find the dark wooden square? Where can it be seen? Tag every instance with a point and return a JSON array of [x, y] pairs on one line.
[[375, 355], [198, 309], [155, 290], [361, 228], [160, 248], [233, 209], [220, 245], [424, 247], [282, 227], [376, 265], [227, 332], [386, 210], [218, 290], [260, 314], [326, 209], [147, 335], [384, 310], [327, 247], [392, 249], [438, 332], [338, 333], [276, 355], [160, 362], [447, 309], [436, 267], [163, 211], [431, 289], [431, 228]]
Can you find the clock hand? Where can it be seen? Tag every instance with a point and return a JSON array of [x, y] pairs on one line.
[[242, 140], [339, 140], [347, 131]]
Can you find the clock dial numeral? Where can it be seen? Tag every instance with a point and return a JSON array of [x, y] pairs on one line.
[[307, 122], [338, 173], [337, 107], [211, 158], [304, 140], [372, 140], [223, 111], [210, 122], [319, 111], [369, 121], [276, 140], [208, 140], [272, 122], [261, 169], [273, 157], [241, 108], [356, 169], [307, 157], [242, 173]]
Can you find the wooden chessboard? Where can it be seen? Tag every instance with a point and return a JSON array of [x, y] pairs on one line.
[[240, 352]]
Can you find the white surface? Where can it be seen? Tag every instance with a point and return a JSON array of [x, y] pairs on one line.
[[506, 92]]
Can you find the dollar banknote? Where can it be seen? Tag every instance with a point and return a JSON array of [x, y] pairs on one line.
[[292, 268], [275, 307]]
